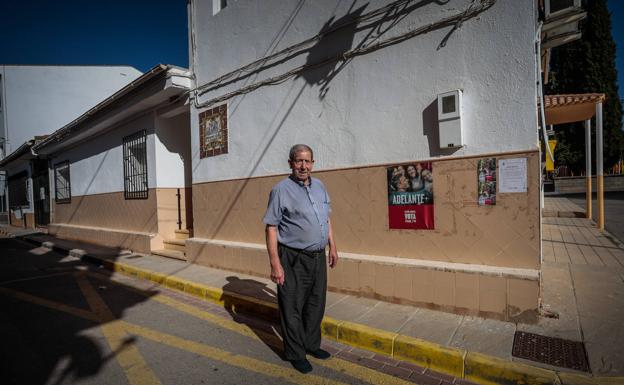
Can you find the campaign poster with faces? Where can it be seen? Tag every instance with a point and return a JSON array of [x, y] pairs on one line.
[[410, 196], [486, 181]]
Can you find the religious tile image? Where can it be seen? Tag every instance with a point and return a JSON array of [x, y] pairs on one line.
[[213, 132]]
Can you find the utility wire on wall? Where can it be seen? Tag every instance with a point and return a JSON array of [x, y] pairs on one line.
[[455, 21], [302, 46]]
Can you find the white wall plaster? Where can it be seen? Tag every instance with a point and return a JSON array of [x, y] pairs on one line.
[[377, 109], [96, 166], [173, 146]]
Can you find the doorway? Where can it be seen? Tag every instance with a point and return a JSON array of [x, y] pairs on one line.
[[41, 192]]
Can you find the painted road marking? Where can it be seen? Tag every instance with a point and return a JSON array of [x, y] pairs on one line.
[[85, 314], [232, 359], [115, 332], [360, 372], [36, 277], [351, 369], [226, 357], [129, 358]]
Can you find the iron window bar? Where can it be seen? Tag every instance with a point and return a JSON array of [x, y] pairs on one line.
[[135, 165], [62, 183]]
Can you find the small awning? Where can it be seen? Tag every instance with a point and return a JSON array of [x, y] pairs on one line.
[[570, 108]]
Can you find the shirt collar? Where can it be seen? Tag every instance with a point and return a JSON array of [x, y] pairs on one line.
[[300, 183]]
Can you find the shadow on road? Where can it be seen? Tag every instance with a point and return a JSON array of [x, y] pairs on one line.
[[236, 300], [49, 326]]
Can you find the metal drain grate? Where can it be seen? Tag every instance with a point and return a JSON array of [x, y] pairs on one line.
[[550, 350]]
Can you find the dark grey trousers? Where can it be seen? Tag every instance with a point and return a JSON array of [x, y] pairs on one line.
[[301, 300]]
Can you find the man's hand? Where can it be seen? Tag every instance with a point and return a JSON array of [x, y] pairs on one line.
[[332, 259], [277, 273]]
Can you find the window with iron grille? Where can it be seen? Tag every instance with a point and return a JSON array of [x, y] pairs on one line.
[[62, 184], [135, 165]]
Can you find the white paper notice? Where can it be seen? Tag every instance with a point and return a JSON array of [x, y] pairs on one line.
[[512, 174]]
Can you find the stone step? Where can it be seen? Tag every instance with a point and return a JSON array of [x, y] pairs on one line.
[[182, 234], [176, 254], [175, 244]]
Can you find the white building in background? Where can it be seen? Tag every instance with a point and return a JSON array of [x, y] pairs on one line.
[[364, 83], [120, 173], [38, 99], [35, 100]]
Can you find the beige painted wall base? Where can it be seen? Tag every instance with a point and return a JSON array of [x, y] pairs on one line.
[[123, 239], [110, 219], [509, 294], [506, 234], [29, 217]]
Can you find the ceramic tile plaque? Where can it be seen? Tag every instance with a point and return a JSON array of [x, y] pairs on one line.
[[213, 132]]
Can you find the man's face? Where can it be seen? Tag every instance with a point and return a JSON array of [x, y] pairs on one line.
[[301, 166]]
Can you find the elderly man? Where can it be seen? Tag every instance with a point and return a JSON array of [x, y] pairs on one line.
[[297, 232]]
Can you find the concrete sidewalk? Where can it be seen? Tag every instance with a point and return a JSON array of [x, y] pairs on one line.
[[582, 296]]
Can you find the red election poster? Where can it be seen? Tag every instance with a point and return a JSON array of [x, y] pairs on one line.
[[410, 196]]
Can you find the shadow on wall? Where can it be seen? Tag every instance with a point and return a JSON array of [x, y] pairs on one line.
[[103, 146], [326, 58], [331, 45], [431, 129], [275, 42], [329, 55], [338, 42], [174, 134]]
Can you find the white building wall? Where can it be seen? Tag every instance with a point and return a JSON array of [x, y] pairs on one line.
[[379, 107], [41, 99], [172, 147], [2, 117], [96, 166]]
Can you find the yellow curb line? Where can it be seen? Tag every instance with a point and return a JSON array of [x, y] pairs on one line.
[[362, 336], [430, 355], [494, 371], [476, 367]]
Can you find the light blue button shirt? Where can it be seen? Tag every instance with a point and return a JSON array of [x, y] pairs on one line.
[[300, 212]]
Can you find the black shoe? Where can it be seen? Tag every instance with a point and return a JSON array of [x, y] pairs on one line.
[[302, 366], [320, 354]]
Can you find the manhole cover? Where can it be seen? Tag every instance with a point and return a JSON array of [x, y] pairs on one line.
[[550, 350]]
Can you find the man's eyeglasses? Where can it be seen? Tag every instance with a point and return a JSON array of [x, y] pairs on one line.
[[299, 162]]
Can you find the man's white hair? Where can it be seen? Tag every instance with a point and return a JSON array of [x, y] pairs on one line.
[[297, 148]]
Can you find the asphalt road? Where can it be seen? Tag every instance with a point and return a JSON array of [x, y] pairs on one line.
[[67, 322], [614, 211]]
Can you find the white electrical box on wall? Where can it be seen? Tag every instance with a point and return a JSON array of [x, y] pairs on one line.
[[450, 119]]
